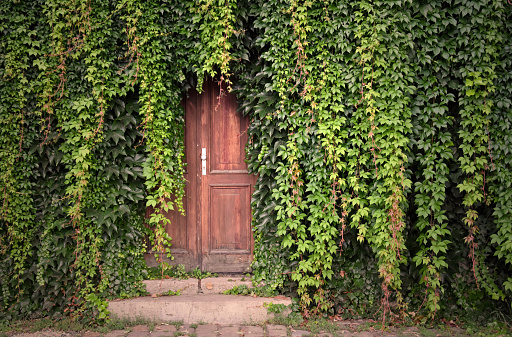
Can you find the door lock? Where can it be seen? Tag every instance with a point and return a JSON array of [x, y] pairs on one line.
[[203, 161]]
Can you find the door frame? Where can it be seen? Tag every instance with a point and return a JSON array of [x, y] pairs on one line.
[[196, 108]]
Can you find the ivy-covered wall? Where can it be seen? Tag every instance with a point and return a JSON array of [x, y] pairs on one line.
[[380, 132]]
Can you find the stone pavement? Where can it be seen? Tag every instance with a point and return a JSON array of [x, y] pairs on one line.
[[345, 329], [340, 329]]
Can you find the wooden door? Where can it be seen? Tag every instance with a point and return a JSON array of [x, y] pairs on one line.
[[215, 234], [226, 186]]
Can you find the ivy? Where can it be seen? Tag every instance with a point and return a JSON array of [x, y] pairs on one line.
[[432, 143], [377, 98], [216, 27], [499, 126], [379, 134], [17, 195]]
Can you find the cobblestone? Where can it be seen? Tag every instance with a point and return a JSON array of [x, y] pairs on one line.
[[340, 329], [207, 330], [251, 330], [116, 333], [300, 333], [277, 331], [165, 328], [138, 334]]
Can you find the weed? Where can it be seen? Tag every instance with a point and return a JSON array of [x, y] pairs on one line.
[[427, 332], [293, 319], [177, 272], [65, 324], [274, 308], [173, 293], [177, 324], [365, 326], [321, 325], [193, 326], [262, 291], [68, 324], [198, 274]]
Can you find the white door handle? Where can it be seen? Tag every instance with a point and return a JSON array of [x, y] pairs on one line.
[[203, 161]]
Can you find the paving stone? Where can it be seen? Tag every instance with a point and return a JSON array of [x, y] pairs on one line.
[[186, 328], [345, 325], [91, 334], [162, 334], [116, 333], [299, 333], [165, 328], [277, 331], [412, 329], [207, 330], [344, 333], [229, 331], [138, 334], [358, 321], [140, 328], [364, 334], [46, 333], [254, 331], [325, 334]]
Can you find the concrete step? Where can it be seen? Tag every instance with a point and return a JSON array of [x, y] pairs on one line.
[[199, 301], [205, 308], [191, 286]]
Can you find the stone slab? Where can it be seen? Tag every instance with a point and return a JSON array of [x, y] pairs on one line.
[[366, 334], [251, 330], [165, 328], [277, 330], [219, 309], [140, 327], [186, 328], [138, 334], [217, 285], [91, 334], [117, 333], [230, 331], [186, 287], [207, 330], [162, 334], [300, 333]]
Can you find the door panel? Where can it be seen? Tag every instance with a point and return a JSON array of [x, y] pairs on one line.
[[228, 218], [228, 134], [178, 229]]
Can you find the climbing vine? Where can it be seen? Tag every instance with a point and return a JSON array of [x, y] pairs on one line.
[[379, 134], [375, 87]]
